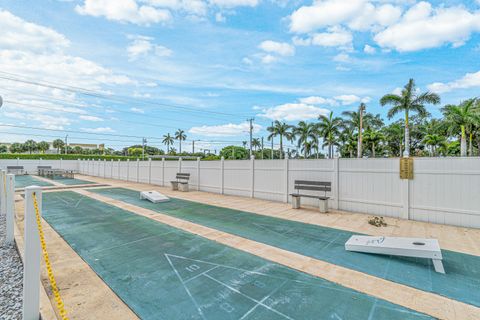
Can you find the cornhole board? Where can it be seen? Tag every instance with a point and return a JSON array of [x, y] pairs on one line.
[[153, 196], [397, 246]]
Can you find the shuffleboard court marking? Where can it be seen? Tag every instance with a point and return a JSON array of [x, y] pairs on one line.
[[263, 300], [248, 297], [186, 288]]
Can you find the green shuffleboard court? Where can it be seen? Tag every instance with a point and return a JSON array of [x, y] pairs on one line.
[[165, 273], [461, 281], [22, 181]]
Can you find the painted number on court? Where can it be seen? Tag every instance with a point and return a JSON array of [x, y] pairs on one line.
[[192, 268]]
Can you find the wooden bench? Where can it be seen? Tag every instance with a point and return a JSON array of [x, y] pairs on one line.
[[319, 186], [181, 182], [16, 169]]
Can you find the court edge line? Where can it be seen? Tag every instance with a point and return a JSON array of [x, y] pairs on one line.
[[412, 298]]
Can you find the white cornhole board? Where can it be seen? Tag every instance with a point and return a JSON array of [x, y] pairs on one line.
[[396, 246], [153, 196]]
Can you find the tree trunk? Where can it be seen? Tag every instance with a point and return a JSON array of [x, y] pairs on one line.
[[470, 147], [407, 137], [281, 147], [351, 154], [180, 146], [463, 143], [305, 151], [373, 149], [359, 147]]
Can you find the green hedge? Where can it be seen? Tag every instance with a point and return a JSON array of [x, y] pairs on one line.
[[60, 156]]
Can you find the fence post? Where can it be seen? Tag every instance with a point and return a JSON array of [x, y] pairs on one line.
[[335, 182], [149, 170], [3, 191], [198, 173], [180, 164], [10, 207], [31, 269], [163, 172], [128, 169], [222, 171], [79, 166], [138, 170], [405, 199], [61, 163], [104, 168], [252, 176], [18, 161], [286, 176]]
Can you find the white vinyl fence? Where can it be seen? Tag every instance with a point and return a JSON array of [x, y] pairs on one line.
[[444, 190]]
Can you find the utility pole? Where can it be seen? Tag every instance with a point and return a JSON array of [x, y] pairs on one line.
[[272, 141], [66, 143], [144, 142], [361, 109], [251, 132], [262, 148]]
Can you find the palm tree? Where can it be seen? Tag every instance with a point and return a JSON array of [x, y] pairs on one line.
[[256, 143], [30, 145], [409, 101], [180, 136], [168, 141], [434, 141], [43, 146], [372, 137], [461, 117], [306, 134], [58, 143], [282, 130], [329, 129]]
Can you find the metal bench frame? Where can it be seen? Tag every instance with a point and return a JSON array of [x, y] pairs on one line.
[[16, 170], [181, 182], [324, 186]]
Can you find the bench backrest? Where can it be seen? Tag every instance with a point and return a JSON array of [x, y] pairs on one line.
[[324, 186], [44, 167], [15, 167], [183, 176]]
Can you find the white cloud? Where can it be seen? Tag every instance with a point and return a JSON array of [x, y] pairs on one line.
[[423, 27], [219, 17], [280, 48], [142, 46], [342, 57], [98, 130], [293, 112], [91, 118], [192, 7], [18, 34], [369, 49], [334, 37], [322, 14], [124, 11], [39, 56], [348, 99], [266, 59], [137, 110], [234, 3], [470, 80], [224, 130], [359, 15], [316, 100]]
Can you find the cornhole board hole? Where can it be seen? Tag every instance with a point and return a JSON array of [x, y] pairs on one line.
[[397, 246], [153, 196]]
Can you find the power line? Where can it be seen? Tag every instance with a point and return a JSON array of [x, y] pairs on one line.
[[91, 93]]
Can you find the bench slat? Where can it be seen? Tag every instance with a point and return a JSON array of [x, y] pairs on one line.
[[313, 188], [313, 183]]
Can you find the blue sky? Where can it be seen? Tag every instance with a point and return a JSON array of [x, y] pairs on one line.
[[205, 66]]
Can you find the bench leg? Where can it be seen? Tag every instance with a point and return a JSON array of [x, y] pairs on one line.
[[174, 185], [323, 206], [295, 202], [438, 265], [183, 187]]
